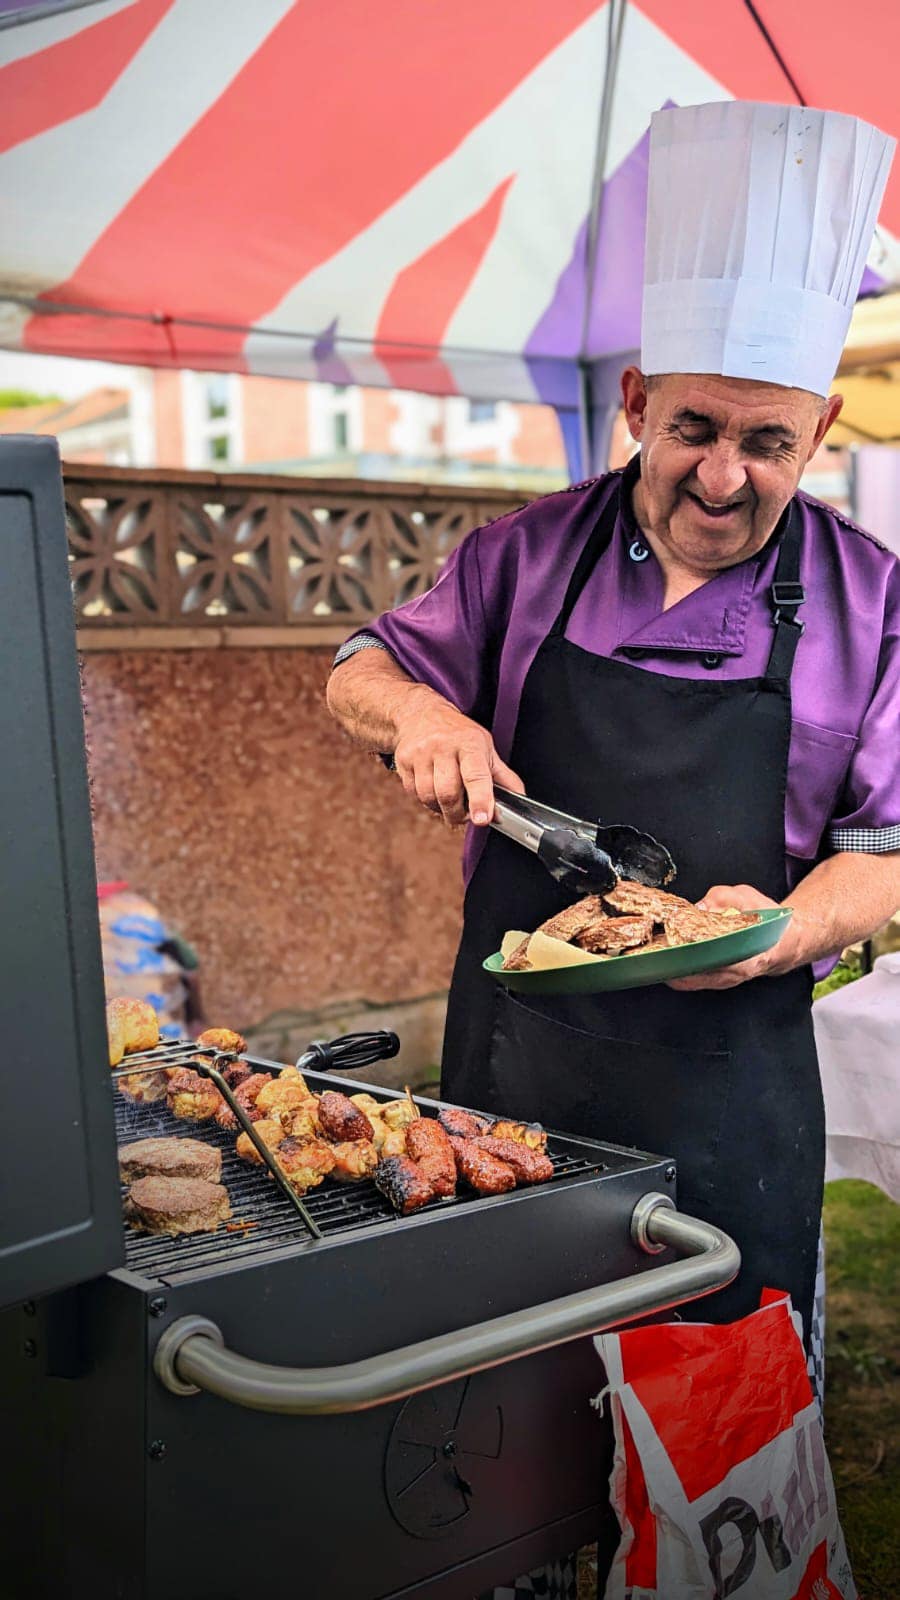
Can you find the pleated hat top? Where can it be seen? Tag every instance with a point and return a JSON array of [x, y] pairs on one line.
[[759, 221]]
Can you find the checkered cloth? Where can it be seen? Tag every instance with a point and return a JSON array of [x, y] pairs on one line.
[[816, 1363], [558, 1581]]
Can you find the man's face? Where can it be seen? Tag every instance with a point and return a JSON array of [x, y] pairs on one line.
[[720, 459]]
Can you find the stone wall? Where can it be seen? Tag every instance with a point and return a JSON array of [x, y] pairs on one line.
[[294, 863]]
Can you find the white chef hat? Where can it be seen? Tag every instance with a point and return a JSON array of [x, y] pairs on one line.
[[759, 220]]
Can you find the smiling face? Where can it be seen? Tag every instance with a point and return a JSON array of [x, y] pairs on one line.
[[720, 459]]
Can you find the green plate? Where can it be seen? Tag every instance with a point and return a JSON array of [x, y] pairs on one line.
[[654, 966]]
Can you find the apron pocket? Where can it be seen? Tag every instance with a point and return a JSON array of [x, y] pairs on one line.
[[668, 1101]]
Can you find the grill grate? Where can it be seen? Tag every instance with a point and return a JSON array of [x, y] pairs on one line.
[[262, 1219]]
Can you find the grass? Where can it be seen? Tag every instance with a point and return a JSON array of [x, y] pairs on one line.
[[862, 1383]]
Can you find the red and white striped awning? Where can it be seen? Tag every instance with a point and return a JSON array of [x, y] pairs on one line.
[[404, 194]]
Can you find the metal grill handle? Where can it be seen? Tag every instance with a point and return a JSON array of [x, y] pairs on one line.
[[191, 1354]]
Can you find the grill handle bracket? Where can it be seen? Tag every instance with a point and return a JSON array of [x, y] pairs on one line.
[[191, 1354]]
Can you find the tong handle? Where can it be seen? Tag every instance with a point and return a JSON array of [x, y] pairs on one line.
[[348, 1051]]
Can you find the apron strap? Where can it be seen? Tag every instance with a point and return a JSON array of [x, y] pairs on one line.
[[597, 541], [786, 596]]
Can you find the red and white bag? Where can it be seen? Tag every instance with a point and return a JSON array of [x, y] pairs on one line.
[[720, 1479]]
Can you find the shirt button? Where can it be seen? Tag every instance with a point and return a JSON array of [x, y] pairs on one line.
[[711, 660], [638, 551]]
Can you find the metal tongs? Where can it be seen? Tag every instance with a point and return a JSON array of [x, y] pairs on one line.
[[583, 857]]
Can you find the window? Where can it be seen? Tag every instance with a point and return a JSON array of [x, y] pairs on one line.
[[219, 446], [482, 410], [213, 433], [340, 423], [217, 396]]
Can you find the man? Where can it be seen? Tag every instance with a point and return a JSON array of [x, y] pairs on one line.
[[693, 647]]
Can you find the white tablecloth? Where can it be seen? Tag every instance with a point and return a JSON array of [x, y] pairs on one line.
[[858, 1039]]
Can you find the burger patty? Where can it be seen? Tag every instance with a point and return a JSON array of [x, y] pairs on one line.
[[177, 1205], [170, 1158]]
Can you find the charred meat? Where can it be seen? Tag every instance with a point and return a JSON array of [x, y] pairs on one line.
[[402, 1182], [247, 1096], [462, 1124]]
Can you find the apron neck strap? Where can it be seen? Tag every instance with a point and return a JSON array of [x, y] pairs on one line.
[[785, 597], [597, 540]]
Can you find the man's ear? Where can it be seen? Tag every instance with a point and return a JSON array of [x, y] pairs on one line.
[[634, 400], [833, 407]]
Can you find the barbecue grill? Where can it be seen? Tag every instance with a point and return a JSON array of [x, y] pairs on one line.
[[364, 1408]]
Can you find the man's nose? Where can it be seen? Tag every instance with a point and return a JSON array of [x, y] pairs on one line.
[[720, 474]]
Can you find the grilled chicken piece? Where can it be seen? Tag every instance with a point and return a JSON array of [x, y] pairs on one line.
[[531, 1134], [398, 1113], [177, 1205], [340, 1119], [393, 1143], [170, 1158], [272, 1135], [144, 1087], [236, 1073], [368, 1105], [403, 1183], [462, 1124], [481, 1170], [222, 1039], [284, 1093], [529, 1166], [132, 1025], [354, 1159], [302, 1122], [247, 1096], [305, 1162], [193, 1097], [429, 1144]]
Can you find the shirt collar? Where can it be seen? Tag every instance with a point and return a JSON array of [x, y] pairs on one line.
[[713, 619]]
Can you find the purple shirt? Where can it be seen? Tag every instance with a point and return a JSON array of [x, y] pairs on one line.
[[505, 585]]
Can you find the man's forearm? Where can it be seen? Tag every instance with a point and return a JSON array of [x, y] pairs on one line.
[[844, 898], [369, 694]]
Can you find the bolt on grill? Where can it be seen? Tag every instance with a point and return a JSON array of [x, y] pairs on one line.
[[263, 1219]]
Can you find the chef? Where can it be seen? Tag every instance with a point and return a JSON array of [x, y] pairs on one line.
[[695, 647]]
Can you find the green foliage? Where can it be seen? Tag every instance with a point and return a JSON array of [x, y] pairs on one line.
[[14, 399], [846, 971]]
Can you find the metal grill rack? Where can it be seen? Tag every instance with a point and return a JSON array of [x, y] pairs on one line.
[[263, 1220]]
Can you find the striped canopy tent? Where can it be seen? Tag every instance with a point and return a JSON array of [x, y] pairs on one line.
[[439, 195]]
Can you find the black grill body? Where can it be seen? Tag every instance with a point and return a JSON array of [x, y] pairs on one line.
[[124, 1491]]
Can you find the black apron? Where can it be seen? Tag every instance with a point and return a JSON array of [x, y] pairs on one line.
[[725, 1081]]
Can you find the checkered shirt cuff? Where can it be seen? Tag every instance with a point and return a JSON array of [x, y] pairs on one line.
[[351, 647], [876, 841]]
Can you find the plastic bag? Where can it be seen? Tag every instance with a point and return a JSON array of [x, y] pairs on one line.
[[720, 1479]]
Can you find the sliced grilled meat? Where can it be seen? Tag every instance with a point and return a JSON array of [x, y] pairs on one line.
[[177, 1205], [462, 1124], [404, 1184], [354, 1159], [247, 1096], [612, 935], [429, 1144], [481, 1170], [531, 1134], [340, 1119], [169, 1158], [529, 1166]]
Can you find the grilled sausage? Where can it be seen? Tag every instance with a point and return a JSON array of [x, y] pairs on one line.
[[481, 1170], [340, 1119], [404, 1184], [529, 1166], [427, 1143], [462, 1124]]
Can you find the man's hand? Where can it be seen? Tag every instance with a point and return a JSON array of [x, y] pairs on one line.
[[784, 955], [448, 762]]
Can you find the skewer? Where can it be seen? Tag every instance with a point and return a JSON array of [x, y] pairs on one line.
[[412, 1104]]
